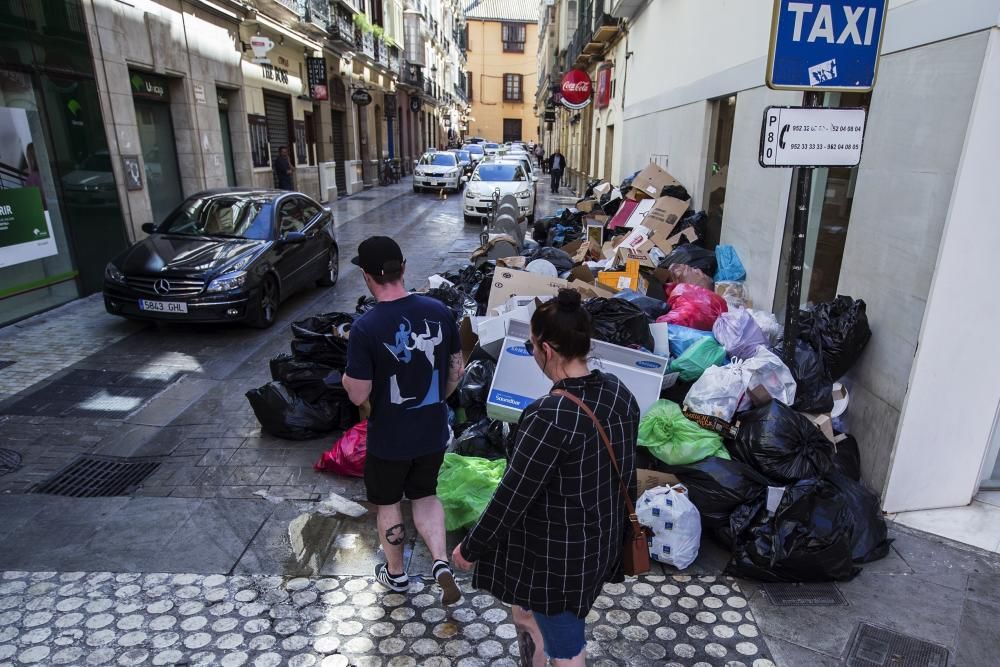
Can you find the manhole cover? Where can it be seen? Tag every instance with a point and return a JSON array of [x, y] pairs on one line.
[[803, 595], [98, 476], [4, 363], [880, 647], [9, 461]]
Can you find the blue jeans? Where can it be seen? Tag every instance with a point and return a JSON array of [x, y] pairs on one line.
[[563, 635]]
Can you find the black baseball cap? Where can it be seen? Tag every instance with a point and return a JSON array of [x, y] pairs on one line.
[[379, 255]]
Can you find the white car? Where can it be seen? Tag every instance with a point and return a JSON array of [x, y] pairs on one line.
[[437, 170], [475, 150], [508, 177], [491, 148]]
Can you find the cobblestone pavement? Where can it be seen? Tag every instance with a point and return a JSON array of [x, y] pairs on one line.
[[100, 618]]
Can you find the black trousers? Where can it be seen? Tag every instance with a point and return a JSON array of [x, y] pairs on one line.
[[556, 179]]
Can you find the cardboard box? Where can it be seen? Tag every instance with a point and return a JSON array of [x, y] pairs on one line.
[[650, 479], [627, 279], [467, 335], [518, 381], [492, 330], [666, 211], [591, 290], [623, 214], [759, 396], [516, 262], [639, 213], [649, 183], [511, 282], [586, 206], [823, 423]]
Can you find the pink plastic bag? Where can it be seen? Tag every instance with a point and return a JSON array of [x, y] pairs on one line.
[[693, 306], [347, 456]]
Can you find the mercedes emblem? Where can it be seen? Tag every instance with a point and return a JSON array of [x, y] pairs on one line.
[[162, 287]]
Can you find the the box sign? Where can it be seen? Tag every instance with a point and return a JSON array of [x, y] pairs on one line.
[[831, 45], [550, 116], [261, 45], [576, 89], [811, 137], [361, 97], [25, 233], [272, 73], [316, 74], [149, 87], [603, 88]]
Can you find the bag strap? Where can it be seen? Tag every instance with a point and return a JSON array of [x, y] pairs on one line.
[[607, 443]]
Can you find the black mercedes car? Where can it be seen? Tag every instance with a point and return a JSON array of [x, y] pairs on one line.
[[223, 256]]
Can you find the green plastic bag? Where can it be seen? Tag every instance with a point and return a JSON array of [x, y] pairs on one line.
[[465, 487], [675, 439], [702, 354]]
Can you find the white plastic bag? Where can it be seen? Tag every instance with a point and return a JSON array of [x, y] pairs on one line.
[[735, 293], [675, 523], [738, 332], [768, 323], [717, 392], [769, 371]]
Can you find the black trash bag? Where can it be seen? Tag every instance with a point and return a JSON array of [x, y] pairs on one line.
[[540, 232], [482, 293], [485, 439], [319, 326], [307, 379], [365, 303], [813, 386], [676, 191], [694, 256], [559, 259], [284, 414], [870, 536], [474, 388], [627, 182], [619, 322], [718, 486], [841, 326], [782, 444], [696, 220], [589, 192], [653, 308], [459, 303], [563, 233], [468, 278], [328, 350], [808, 539], [847, 457]]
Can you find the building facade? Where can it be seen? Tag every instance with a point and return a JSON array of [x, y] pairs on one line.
[[502, 65], [908, 230]]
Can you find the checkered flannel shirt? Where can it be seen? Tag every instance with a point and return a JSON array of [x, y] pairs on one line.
[[552, 535]]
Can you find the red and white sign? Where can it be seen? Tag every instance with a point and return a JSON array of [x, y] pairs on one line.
[[576, 89], [603, 99]]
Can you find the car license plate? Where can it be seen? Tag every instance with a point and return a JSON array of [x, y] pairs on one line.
[[438, 182], [163, 306]]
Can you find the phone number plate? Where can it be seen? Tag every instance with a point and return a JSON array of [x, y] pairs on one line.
[[163, 306]]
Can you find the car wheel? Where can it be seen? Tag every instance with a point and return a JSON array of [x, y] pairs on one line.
[[470, 220], [332, 272], [266, 309]]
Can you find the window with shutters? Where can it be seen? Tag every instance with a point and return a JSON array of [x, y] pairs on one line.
[[468, 85], [513, 37], [512, 88]]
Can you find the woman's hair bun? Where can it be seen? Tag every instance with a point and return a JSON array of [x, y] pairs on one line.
[[568, 300]]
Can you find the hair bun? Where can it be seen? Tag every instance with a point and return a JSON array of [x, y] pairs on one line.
[[568, 300]]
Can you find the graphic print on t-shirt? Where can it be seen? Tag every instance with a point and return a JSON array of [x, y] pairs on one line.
[[405, 349]]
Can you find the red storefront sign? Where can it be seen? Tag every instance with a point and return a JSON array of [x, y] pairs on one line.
[[603, 97], [576, 89]]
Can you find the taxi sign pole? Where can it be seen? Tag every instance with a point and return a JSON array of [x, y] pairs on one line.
[[800, 227]]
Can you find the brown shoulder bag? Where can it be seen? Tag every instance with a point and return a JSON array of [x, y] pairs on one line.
[[635, 552]]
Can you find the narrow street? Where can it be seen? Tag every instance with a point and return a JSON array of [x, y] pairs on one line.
[[233, 551]]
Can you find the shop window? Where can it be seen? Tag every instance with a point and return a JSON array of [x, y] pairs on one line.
[[301, 143], [512, 91], [468, 85], [831, 200], [513, 35]]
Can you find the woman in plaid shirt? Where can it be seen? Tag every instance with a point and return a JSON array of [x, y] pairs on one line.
[[552, 535]]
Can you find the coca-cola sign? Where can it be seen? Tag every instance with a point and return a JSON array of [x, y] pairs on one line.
[[576, 89]]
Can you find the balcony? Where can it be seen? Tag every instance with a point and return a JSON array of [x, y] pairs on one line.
[[380, 53], [460, 94], [412, 75], [342, 28], [365, 43], [318, 12], [595, 30]]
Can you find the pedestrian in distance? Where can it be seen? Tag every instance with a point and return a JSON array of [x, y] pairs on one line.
[[284, 171], [557, 163], [540, 155], [552, 534], [404, 356]]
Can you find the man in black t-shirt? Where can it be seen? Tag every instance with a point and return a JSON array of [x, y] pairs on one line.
[[404, 356], [283, 170]]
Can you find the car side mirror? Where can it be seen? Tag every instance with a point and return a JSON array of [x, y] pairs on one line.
[[465, 179], [293, 237], [534, 178], [148, 227]]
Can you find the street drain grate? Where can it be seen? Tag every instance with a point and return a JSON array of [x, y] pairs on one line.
[[803, 595], [880, 647], [361, 198], [98, 477], [9, 461], [4, 363]]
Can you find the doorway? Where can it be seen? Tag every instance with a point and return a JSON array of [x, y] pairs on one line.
[[511, 129], [278, 111], [227, 145], [339, 150], [609, 152], [159, 153], [991, 469], [717, 171]]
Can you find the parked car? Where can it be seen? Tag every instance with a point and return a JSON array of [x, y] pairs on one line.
[[526, 164], [509, 178], [439, 169], [491, 148], [475, 151], [225, 255], [465, 161]]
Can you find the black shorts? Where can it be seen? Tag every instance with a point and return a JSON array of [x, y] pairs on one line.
[[386, 480]]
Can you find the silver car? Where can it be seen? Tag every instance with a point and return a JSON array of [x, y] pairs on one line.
[[437, 170]]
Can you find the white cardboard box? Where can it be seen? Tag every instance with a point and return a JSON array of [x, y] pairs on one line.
[[518, 381]]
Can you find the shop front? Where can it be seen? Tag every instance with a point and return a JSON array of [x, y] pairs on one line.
[[60, 220], [151, 96]]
